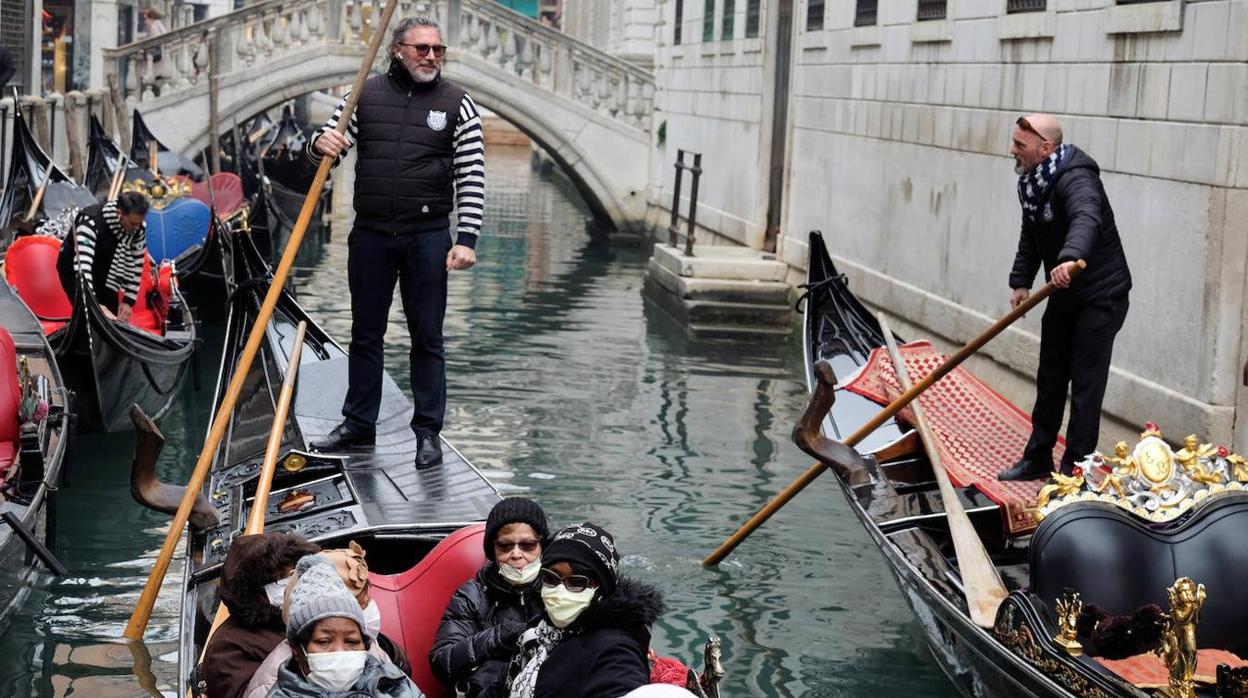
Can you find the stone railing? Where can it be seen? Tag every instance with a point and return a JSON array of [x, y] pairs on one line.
[[255, 36]]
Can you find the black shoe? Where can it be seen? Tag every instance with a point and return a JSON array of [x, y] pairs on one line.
[[343, 437], [428, 452], [1024, 470]]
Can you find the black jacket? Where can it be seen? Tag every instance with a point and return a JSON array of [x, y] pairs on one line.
[[404, 174], [1076, 222], [606, 656], [479, 629]]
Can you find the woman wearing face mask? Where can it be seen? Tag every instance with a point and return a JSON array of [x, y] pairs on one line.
[[593, 640], [485, 617], [325, 628], [352, 571], [251, 588]]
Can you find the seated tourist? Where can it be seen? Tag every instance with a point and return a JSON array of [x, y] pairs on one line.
[[107, 248], [594, 637], [485, 617], [349, 564], [330, 656], [252, 583]]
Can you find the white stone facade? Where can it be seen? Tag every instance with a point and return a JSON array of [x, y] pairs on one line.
[[897, 149]]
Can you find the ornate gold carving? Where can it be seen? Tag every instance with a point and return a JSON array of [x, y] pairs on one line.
[[1068, 609], [1150, 480], [160, 192], [1178, 640], [1017, 637]]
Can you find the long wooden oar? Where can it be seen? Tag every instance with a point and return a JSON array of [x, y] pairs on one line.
[[119, 178], [980, 580], [43, 187], [884, 415], [143, 610]]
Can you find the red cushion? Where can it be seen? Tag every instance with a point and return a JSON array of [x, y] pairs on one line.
[[228, 189], [145, 317], [30, 268], [8, 455], [412, 602], [10, 391]]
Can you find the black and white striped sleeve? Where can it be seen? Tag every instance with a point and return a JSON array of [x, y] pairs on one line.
[[138, 251], [469, 166], [84, 238], [352, 130]]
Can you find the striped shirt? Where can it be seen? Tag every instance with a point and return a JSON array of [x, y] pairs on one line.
[[126, 271], [468, 163]]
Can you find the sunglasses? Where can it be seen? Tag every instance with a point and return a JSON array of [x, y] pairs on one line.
[[528, 546], [1024, 124], [423, 49], [573, 582]]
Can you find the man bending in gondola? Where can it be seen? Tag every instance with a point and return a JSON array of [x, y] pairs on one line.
[[109, 243], [1066, 217]]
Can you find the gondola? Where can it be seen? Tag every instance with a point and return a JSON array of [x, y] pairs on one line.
[[108, 364], [168, 161], [1099, 553], [406, 520], [32, 451], [27, 166]]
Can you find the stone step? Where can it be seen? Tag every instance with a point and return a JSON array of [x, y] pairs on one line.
[[721, 262], [729, 290], [748, 316]]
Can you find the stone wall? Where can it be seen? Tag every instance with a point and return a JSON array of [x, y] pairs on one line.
[[898, 152]]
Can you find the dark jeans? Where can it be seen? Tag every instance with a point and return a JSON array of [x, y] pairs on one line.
[[417, 261], [1076, 344]]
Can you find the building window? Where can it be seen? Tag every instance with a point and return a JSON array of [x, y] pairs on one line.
[[708, 21], [814, 15], [931, 9], [730, 16], [753, 11], [866, 12], [1025, 6], [680, 21]]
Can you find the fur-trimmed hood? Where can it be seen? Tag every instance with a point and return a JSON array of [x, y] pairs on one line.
[[633, 607], [251, 563]]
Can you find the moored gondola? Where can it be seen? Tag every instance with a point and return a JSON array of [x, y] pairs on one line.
[[1091, 561], [28, 167]]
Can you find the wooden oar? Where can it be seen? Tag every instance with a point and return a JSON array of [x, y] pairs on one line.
[[883, 416], [43, 186], [143, 609], [119, 178], [153, 159], [980, 581], [255, 522]]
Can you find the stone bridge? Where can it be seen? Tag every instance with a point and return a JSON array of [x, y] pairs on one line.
[[589, 110]]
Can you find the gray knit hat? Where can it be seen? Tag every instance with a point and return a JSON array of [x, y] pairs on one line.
[[319, 593]]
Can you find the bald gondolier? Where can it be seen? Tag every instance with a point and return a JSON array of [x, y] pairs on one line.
[[1066, 217], [420, 154]]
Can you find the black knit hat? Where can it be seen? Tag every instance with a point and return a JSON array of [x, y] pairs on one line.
[[514, 510], [590, 549]]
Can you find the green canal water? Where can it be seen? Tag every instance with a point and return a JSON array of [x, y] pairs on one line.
[[564, 386]]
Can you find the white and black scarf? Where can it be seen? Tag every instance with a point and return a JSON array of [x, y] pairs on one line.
[[535, 645], [1033, 186]]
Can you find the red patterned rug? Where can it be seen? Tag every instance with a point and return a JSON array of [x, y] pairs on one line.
[[979, 432], [1148, 671]]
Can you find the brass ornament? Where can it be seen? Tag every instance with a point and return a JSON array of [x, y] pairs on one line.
[[1016, 636], [294, 463], [160, 192], [1068, 609], [1178, 639]]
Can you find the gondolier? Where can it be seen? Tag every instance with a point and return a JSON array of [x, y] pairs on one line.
[[1066, 217], [109, 244], [420, 155]]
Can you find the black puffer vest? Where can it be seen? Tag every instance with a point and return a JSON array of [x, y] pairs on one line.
[[404, 174], [105, 250]]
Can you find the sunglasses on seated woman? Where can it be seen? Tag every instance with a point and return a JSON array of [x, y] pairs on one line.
[[572, 582], [528, 546]]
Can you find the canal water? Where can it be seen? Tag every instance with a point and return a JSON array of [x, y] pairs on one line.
[[567, 387]]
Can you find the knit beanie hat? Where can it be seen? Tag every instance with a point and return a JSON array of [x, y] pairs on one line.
[[514, 510], [590, 549], [319, 593]]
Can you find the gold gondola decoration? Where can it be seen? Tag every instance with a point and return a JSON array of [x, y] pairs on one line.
[[161, 191], [1151, 479], [1178, 639], [1068, 609]]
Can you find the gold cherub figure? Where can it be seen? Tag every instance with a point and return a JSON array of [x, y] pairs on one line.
[[1061, 486], [1178, 640], [1068, 609], [1238, 467], [1190, 456], [1124, 464]]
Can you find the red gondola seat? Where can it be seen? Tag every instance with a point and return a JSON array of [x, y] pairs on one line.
[[30, 268], [146, 317], [412, 602], [10, 398]]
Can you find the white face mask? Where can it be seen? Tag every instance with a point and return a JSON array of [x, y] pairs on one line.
[[565, 606], [372, 619], [276, 591], [336, 671], [523, 576]]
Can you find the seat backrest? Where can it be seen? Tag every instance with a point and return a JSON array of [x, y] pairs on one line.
[[10, 390], [412, 602], [176, 228], [1114, 560], [227, 189], [30, 268], [145, 317]]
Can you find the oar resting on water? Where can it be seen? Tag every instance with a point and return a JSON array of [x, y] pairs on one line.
[[147, 489]]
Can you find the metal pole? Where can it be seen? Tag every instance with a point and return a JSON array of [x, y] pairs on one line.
[[693, 203], [33, 545], [672, 229]]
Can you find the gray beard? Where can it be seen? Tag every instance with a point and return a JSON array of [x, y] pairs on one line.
[[1020, 170], [423, 76]]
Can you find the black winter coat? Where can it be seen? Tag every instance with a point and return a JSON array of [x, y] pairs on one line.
[[1076, 222], [606, 656], [479, 629]]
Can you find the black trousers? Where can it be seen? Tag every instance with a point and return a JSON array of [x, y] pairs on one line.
[[417, 261], [1076, 344]]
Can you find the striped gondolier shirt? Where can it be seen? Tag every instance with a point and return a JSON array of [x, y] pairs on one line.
[[126, 271]]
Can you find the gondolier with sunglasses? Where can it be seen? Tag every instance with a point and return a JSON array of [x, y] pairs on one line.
[[107, 248], [1066, 217], [420, 154]]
